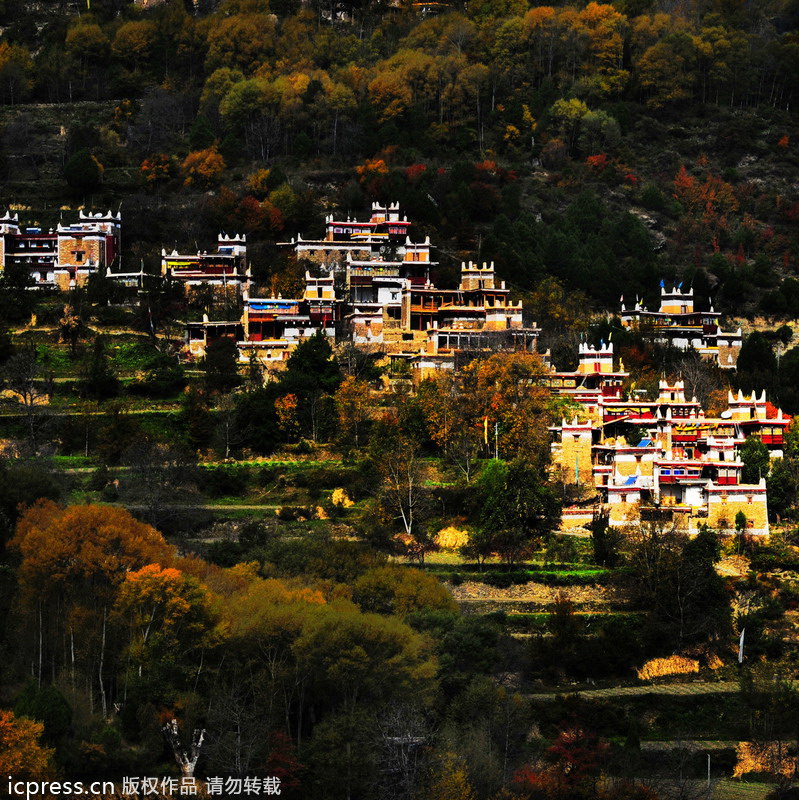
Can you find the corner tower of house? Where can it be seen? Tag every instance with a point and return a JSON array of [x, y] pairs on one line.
[[676, 301], [671, 393], [595, 359], [474, 276]]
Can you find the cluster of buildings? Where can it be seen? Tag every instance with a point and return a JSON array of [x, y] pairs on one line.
[[368, 283], [661, 458], [679, 324], [65, 256]]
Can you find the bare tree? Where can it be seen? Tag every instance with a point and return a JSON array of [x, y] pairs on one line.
[[186, 758], [701, 377], [404, 734], [359, 360], [28, 388], [239, 727], [403, 492]]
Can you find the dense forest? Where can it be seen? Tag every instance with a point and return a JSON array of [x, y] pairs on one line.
[[329, 580], [604, 146]]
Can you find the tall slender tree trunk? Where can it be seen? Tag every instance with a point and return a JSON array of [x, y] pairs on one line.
[[72, 655], [39, 676], [100, 670]]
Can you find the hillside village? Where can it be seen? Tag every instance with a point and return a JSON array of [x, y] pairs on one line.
[[376, 420], [367, 283], [398, 401]]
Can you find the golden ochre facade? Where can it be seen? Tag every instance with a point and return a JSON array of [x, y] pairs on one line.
[[662, 457]]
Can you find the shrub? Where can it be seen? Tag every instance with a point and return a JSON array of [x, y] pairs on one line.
[[766, 758], [653, 199], [339, 498], [293, 513], [673, 665], [451, 538]]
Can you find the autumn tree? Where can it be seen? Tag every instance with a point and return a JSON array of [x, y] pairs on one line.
[[400, 591], [88, 44], [665, 70], [133, 42], [16, 68], [203, 168], [576, 755], [352, 404], [21, 754], [170, 621], [73, 561], [157, 169], [358, 659], [604, 29], [286, 410], [240, 41], [454, 422], [451, 780], [510, 398]]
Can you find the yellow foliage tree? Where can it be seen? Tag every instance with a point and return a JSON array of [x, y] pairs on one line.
[[133, 42], [352, 404], [16, 69], [164, 605], [451, 781]]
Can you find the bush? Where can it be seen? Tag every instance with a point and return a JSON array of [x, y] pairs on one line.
[[673, 665], [164, 377], [223, 554], [83, 172]]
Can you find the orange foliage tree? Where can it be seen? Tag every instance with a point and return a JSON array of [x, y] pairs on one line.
[[455, 421], [286, 410], [21, 755], [73, 562], [510, 397], [169, 615], [156, 169], [352, 404], [203, 168]]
